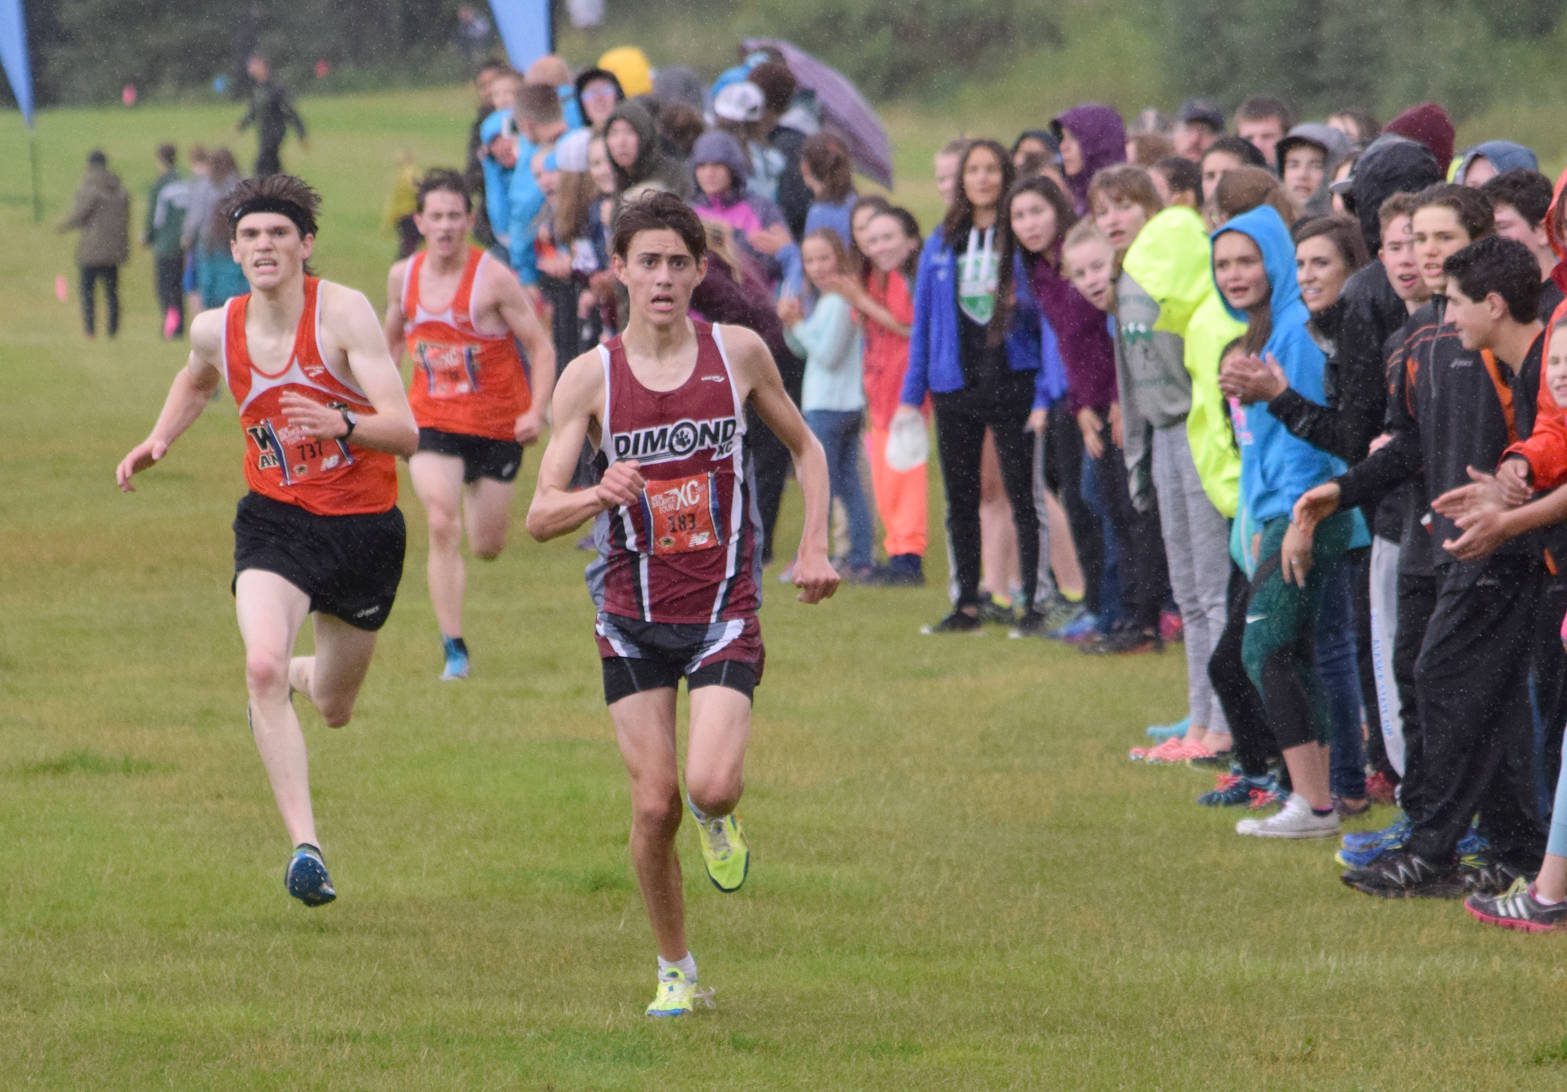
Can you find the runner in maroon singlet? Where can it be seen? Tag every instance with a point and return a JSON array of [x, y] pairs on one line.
[[665, 402]]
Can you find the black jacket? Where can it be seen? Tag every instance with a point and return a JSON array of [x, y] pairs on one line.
[[1445, 415]]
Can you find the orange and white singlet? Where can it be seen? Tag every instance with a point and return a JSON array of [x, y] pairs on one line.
[[464, 381], [324, 477]]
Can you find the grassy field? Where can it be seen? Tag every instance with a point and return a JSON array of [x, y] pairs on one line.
[[959, 881]]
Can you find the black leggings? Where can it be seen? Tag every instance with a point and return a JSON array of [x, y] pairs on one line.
[[961, 420], [110, 276], [1254, 743], [1064, 476]]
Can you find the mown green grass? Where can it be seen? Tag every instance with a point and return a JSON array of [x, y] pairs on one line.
[[959, 882]]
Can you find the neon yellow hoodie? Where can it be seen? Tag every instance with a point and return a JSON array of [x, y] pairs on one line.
[[1214, 452], [1170, 260]]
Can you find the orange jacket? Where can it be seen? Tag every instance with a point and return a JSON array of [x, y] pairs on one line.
[[1546, 447]]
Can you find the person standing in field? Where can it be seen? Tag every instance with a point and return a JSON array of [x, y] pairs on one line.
[[102, 213], [319, 533], [665, 403], [272, 112], [167, 199], [461, 313]]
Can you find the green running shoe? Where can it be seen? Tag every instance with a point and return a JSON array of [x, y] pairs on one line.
[[724, 851]]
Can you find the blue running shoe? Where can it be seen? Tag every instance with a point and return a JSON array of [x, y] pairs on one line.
[[1235, 789], [1081, 628], [1367, 855], [306, 877], [456, 652], [1398, 831], [1473, 844], [1163, 732]]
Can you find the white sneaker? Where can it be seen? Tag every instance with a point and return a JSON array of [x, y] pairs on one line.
[[1294, 820]]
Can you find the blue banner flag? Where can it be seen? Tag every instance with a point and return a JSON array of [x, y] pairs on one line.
[[525, 29], [13, 56]]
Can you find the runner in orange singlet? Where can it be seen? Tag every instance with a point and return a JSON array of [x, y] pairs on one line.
[[319, 533], [461, 314]]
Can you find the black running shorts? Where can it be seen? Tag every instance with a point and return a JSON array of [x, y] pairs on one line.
[[640, 655], [481, 457], [350, 566]]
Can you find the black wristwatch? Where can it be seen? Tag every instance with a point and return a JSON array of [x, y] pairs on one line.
[[350, 419]]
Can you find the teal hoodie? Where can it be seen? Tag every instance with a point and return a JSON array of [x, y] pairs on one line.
[[1276, 466]]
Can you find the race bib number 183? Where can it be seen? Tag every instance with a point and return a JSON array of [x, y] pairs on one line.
[[680, 515]]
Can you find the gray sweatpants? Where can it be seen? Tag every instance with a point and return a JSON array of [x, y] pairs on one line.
[[1384, 630], [1196, 548]]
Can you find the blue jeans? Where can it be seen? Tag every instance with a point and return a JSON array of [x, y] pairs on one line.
[[839, 433], [1336, 664], [1558, 836]]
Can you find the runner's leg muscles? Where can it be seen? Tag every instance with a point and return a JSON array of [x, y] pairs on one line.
[[715, 750], [487, 515], [645, 730], [437, 481], [270, 610], [341, 661]]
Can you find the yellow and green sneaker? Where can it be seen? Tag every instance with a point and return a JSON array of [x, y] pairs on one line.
[[724, 850], [678, 995]]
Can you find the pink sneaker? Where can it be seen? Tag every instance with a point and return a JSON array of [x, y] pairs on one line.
[[1262, 798], [1172, 752]]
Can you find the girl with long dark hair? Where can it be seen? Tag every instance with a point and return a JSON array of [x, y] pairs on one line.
[[982, 372]]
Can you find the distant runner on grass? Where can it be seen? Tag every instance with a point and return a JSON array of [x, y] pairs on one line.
[[461, 313], [665, 402], [323, 412]]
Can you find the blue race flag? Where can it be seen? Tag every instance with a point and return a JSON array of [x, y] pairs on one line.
[[13, 56], [524, 26]]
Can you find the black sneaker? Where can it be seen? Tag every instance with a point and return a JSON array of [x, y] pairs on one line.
[[1031, 623], [1518, 908], [959, 621], [1124, 642], [904, 571], [1482, 874], [1403, 875], [994, 610]]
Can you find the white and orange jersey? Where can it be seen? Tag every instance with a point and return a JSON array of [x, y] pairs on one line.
[[464, 381], [325, 477]]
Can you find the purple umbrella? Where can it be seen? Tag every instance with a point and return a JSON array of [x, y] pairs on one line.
[[845, 113]]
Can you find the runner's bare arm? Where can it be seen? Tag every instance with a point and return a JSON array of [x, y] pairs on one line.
[[189, 394], [392, 321], [558, 509], [517, 312], [349, 325], [759, 379]]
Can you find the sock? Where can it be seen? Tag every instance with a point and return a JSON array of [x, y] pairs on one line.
[[686, 965], [1322, 811], [701, 816], [456, 643], [1543, 901]]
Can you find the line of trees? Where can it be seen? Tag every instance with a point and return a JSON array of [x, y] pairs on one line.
[[87, 50], [1318, 54]]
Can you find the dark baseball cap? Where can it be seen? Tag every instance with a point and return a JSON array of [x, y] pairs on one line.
[[1203, 110]]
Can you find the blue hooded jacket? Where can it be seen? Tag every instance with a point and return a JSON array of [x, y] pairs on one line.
[[1504, 156], [1276, 466], [497, 179], [934, 339]]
